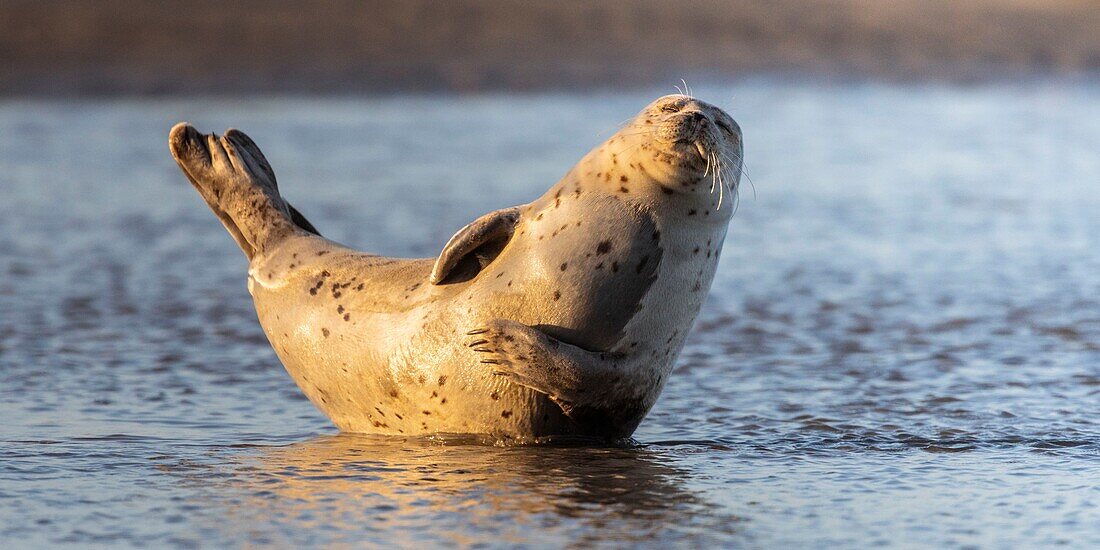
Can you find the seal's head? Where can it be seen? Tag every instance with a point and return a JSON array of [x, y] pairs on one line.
[[683, 145]]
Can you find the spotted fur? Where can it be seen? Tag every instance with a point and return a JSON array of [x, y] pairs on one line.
[[561, 316]]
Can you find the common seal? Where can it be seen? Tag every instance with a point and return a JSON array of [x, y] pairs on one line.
[[562, 316]]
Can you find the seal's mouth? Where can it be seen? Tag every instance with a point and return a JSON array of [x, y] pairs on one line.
[[690, 144], [701, 150], [693, 152]]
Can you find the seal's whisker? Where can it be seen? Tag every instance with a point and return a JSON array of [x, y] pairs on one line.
[[627, 149], [637, 133], [686, 90], [721, 185], [741, 162], [713, 175], [636, 125], [638, 129], [621, 125], [645, 127]]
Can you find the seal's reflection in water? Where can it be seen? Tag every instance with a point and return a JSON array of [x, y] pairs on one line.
[[457, 490]]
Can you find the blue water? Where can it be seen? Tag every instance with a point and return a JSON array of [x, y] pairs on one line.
[[901, 347]]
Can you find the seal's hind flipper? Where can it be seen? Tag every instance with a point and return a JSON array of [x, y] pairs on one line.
[[301, 220], [237, 183], [252, 151], [487, 234]]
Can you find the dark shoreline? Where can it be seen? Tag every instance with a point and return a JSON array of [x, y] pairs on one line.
[[68, 48]]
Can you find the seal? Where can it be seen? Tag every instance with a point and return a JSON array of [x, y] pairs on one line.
[[563, 316]]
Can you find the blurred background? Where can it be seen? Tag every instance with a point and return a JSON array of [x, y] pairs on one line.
[[158, 47], [901, 347]]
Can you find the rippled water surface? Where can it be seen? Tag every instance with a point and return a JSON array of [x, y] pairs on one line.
[[901, 347]]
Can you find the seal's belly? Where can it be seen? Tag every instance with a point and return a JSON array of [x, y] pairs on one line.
[[578, 277]]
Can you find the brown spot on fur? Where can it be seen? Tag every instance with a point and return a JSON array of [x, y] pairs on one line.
[[442, 381], [557, 295], [691, 212], [614, 267], [347, 316], [494, 396], [505, 414], [325, 332], [603, 248], [564, 266]]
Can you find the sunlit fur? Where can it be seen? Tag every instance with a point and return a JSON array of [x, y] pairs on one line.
[[684, 145], [562, 316]]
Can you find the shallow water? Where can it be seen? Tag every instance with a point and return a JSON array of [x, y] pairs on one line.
[[901, 347]]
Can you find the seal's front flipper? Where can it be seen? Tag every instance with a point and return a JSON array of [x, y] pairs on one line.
[[478, 244], [571, 376]]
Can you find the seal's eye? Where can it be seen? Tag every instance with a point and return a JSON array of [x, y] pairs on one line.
[[670, 108]]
